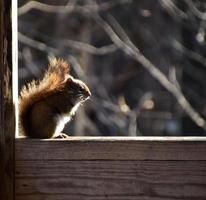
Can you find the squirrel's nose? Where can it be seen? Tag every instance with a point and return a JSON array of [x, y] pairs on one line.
[[89, 93]]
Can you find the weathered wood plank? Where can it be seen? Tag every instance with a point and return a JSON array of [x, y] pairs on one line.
[[111, 149], [7, 122], [156, 180], [84, 197], [111, 168]]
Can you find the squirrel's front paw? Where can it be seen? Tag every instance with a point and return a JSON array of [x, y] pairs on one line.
[[62, 135]]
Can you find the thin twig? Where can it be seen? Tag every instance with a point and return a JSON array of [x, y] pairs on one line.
[[173, 9], [152, 69], [195, 11], [36, 44], [125, 45], [70, 7], [191, 54], [80, 46]]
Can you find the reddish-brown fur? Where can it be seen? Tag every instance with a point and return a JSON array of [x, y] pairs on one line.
[[43, 103]]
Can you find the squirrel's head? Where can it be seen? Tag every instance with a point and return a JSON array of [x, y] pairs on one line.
[[77, 90]]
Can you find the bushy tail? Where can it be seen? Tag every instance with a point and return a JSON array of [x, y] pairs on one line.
[[35, 91]]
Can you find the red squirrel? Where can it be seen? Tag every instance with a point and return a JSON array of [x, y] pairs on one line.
[[45, 106]]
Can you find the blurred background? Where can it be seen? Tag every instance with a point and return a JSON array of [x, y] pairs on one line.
[[144, 61]]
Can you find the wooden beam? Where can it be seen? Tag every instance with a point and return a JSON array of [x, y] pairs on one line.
[[112, 148], [7, 119], [110, 180], [85, 168]]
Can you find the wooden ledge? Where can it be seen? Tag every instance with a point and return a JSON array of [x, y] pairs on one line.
[[112, 148], [102, 168], [141, 138]]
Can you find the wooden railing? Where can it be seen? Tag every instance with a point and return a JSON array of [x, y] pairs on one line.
[[111, 168]]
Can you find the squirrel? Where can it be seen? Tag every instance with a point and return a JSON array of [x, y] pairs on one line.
[[45, 106]]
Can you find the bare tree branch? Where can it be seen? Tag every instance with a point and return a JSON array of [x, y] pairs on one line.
[[152, 69], [120, 40], [81, 46], [191, 54], [173, 9], [31, 66], [196, 12], [35, 44], [70, 7], [77, 68], [122, 34]]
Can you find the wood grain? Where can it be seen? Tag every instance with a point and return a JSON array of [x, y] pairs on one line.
[[110, 180], [85, 168], [7, 122], [111, 149]]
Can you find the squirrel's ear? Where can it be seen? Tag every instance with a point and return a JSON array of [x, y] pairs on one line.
[[70, 79]]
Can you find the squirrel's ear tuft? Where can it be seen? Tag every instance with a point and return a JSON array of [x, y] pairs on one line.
[[59, 66]]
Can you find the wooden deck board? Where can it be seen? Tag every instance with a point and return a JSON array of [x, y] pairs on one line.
[[110, 169], [111, 149], [117, 179]]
